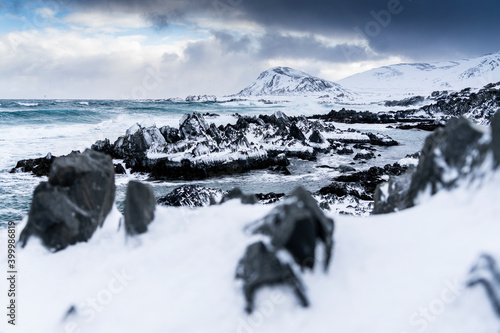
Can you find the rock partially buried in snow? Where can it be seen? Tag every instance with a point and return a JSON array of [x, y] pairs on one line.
[[191, 196], [449, 155], [297, 225], [260, 267], [495, 138], [139, 208], [74, 202]]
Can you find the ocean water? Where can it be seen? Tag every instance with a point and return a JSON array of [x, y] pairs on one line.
[[33, 128]]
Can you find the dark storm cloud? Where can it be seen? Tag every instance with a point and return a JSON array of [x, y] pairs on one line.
[[418, 29]]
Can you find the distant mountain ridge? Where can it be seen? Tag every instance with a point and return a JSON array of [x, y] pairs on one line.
[[286, 81], [423, 78]]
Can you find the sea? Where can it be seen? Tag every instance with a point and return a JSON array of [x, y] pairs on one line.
[[34, 128]]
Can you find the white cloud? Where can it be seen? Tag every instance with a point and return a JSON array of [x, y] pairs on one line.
[[106, 21]]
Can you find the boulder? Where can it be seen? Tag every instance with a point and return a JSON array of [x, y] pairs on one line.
[[74, 202], [139, 207], [296, 225], [364, 155], [260, 267]]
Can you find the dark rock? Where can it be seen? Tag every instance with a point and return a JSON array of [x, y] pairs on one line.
[[381, 139], [74, 202], [340, 189], [137, 141], [104, 146], [236, 193], [296, 225], [119, 169], [171, 135], [38, 166], [406, 102], [391, 196], [296, 133], [269, 198], [191, 196], [316, 137], [364, 155], [193, 126], [259, 268], [345, 168], [139, 207], [345, 150], [485, 273]]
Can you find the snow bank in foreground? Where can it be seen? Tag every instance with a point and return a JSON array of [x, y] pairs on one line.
[[402, 272]]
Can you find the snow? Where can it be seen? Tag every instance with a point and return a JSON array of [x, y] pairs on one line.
[[402, 272], [411, 79]]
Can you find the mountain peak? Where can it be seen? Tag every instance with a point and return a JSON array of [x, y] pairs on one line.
[[286, 81]]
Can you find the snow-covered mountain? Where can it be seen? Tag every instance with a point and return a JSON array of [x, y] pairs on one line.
[[286, 81], [423, 78]]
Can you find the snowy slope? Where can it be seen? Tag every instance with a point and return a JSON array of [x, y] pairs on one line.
[[402, 272], [285, 81], [423, 78]]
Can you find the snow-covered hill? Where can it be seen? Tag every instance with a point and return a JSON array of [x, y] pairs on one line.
[[423, 78], [286, 81]]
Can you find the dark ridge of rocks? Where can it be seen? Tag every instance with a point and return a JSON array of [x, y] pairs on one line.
[[261, 267], [362, 184], [75, 201], [164, 169], [191, 196], [139, 207], [37, 166], [478, 106], [429, 126], [237, 193], [367, 117], [450, 154], [406, 101], [269, 198]]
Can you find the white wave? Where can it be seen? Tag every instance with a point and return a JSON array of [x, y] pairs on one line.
[[27, 104]]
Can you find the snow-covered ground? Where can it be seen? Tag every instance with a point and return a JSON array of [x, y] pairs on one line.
[[403, 272]]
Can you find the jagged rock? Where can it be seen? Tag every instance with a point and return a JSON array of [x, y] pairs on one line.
[[391, 196], [119, 169], [269, 198], [260, 267], [137, 140], [201, 98], [316, 137], [340, 189], [170, 134], [191, 196], [193, 126], [139, 207], [74, 202], [296, 133], [38, 166], [296, 225], [236, 193]]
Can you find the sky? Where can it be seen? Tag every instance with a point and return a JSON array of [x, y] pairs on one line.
[[173, 48]]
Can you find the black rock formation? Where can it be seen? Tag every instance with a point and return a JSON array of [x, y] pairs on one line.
[[139, 207], [74, 202], [260, 267], [38, 166], [296, 225]]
